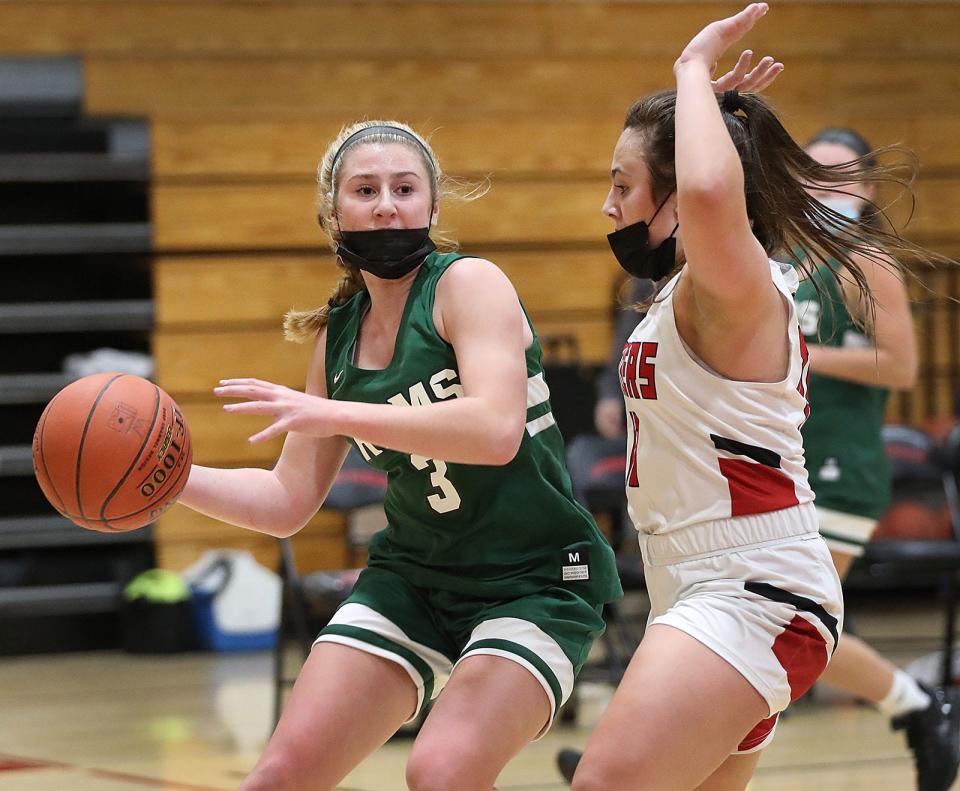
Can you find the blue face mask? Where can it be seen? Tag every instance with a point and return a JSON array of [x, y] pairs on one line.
[[845, 205]]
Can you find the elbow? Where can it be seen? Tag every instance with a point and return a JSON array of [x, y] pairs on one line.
[[288, 521], [907, 378], [289, 528], [504, 444], [899, 371]]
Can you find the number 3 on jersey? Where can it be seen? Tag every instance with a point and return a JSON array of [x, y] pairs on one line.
[[447, 499]]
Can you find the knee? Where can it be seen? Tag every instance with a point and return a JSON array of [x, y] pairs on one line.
[[589, 779], [273, 774], [601, 776], [437, 770]]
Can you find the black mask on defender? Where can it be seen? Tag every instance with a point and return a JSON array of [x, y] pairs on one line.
[[631, 247]]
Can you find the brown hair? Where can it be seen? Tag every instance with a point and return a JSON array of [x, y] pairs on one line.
[[300, 326], [785, 217]]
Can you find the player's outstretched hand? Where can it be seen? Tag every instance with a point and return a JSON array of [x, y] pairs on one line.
[[292, 410], [710, 44], [742, 78]]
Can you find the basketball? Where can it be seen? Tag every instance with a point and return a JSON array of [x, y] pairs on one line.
[[112, 452]]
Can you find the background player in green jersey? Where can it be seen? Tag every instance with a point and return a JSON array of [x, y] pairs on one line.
[[488, 568], [855, 359]]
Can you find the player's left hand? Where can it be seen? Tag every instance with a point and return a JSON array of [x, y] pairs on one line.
[[294, 411], [709, 45], [742, 78]]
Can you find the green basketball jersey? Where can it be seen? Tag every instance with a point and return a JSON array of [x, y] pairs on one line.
[[481, 530], [842, 437]]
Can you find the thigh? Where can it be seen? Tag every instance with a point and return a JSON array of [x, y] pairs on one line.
[[387, 617], [344, 705], [678, 714], [549, 634], [733, 775], [489, 710], [772, 612]]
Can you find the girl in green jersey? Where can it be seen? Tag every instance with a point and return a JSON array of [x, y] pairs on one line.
[[856, 358], [488, 570]]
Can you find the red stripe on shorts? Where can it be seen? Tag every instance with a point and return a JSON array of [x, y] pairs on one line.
[[756, 488], [760, 732], [802, 653]]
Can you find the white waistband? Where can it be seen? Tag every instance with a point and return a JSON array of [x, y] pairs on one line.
[[724, 535]]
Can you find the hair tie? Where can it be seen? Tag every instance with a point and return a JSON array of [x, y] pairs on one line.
[[731, 102]]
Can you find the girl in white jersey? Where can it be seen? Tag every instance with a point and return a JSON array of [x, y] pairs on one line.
[[746, 603]]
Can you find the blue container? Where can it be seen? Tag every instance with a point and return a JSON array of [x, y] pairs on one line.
[[213, 638]]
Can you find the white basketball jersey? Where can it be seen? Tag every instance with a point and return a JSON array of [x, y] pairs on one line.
[[701, 447]]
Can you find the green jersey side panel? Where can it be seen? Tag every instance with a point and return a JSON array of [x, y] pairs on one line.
[[498, 531], [842, 437]]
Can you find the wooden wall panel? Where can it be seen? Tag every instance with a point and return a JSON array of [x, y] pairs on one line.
[[277, 216], [192, 363], [216, 292], [243, 97], [238, 290], [357, 88], [329, 29], [220, 438], [191, 148], [183, 535], [280, 215], [517, 146]]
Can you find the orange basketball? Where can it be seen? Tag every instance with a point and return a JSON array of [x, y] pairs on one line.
[[112, 452]]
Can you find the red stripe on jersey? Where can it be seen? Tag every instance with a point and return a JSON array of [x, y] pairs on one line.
[[803, 386], [802, 653], [632, 479], [756, 488]]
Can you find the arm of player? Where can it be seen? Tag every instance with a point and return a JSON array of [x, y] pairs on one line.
[[892, 361], [480, 316], [727, 265], [280, 501]]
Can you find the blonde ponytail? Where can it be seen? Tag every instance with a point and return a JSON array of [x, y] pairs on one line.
[[302, 325]]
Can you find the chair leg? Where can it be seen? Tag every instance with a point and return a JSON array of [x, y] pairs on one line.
[[949, 629], [278, 680], [621, 641]]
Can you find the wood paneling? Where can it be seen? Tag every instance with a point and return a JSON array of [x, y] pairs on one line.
[[269, 216], [505, 147], [466, 29], [192, 363], [244, 96], [219, 438], [356, 88], [185, 148], [183, 535], [220, 291], [227, 292]]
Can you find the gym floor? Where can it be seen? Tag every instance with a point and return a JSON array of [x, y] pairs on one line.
[[109, 721]]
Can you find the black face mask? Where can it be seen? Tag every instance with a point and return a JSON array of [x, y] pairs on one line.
[[389, 253], [631, 247]]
